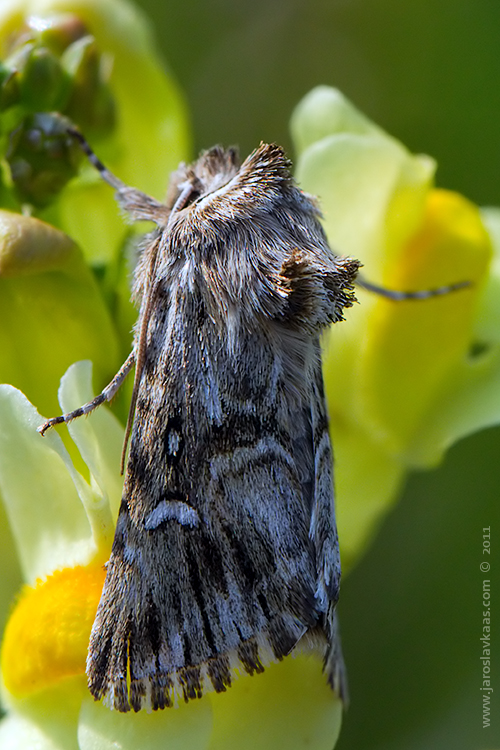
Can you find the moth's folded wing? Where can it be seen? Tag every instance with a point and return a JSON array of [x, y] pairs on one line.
[[199, 586]]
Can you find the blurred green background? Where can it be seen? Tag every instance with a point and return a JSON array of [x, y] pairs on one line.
[[429, 73]]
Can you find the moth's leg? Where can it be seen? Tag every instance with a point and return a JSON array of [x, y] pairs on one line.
[[106, 395], [138, 204], [421, 294], [316, 290]]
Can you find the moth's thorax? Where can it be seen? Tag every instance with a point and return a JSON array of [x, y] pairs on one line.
[[234, 241]]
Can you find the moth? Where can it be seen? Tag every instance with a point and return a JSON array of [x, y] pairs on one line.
[[226, 553]]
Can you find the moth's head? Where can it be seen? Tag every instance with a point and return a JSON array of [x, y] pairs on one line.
[[218, 181], [210, 172]]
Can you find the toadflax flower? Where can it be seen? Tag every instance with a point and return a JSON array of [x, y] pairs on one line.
[[404, 380], [61, 494], [63, 531]]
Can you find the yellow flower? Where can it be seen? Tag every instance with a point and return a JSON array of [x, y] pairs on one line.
[[404, 380], [63, 526]]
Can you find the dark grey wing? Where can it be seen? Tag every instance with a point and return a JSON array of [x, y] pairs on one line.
[[226, 550], [213, 565]]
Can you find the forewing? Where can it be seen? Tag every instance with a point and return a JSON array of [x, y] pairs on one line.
[[213, 566]]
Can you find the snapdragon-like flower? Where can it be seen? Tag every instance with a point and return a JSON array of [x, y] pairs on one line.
[[63, 525], [406, 379]]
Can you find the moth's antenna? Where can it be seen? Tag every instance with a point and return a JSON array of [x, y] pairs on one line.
[[398, 296], [140, 354], [106, 175], [186, 192]]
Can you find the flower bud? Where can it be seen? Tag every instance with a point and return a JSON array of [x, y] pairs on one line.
[[43, 83], [91, 104], [42, 158]]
